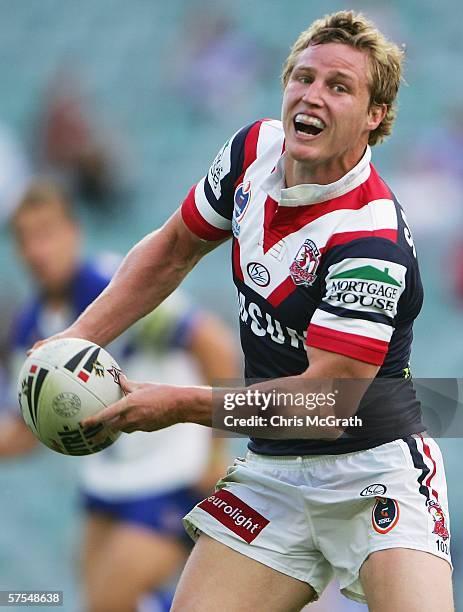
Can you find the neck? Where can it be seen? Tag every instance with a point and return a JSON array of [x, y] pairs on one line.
[[56, 301], [300, 173]]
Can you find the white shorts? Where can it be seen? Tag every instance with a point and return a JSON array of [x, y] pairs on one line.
[[319, 517]]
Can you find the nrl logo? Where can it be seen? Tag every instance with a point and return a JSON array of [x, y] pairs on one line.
[[241, 201], [305, 263]]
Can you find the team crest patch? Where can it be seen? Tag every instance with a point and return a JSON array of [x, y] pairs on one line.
[[440, 528], [305, 264], [241, 200], [385, 514]]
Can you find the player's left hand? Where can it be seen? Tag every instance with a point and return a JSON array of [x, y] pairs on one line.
[[145, 407]]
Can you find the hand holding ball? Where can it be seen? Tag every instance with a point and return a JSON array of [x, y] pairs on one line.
[[60, 384]]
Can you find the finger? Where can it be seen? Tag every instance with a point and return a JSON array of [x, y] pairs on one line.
[[107, 414], [34, 347], [127, 386], [101, 435]]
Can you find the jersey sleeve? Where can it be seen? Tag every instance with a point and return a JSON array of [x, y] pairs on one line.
[[368, 286], [207, 210]]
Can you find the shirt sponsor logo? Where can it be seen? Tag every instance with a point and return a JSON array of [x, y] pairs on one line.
[[440, 527], [305, 263], [235, 514], [385, 514], [241, 200], [366, 287], [220, 168], [258, 274], [263, 324], [373, 490]]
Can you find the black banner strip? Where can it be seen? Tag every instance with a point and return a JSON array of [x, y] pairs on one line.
[[72, 364], [30, 380], [91, 360], [38, 385]]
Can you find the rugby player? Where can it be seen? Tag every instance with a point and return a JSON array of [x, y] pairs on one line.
[[307, 211]]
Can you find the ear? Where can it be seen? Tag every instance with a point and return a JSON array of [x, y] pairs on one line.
[[376, 114]]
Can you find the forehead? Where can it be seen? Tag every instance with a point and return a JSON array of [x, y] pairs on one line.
[[335, 57], [45, 214]]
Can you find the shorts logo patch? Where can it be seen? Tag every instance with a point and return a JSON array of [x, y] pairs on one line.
[[305, 263], [435, 510], [385, 514], [374, 490], [232, 512]]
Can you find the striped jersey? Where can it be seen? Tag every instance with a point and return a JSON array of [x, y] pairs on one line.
[[328, 266]]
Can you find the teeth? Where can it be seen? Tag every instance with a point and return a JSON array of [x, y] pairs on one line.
[[309, 120]]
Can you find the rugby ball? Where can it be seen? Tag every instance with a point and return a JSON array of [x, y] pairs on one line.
[[60, 384]]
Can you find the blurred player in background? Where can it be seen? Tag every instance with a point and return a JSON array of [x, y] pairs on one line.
[[307, 211], [135, 493]]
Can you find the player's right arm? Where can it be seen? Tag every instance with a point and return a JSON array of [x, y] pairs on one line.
[[152, 269], [159, 262]]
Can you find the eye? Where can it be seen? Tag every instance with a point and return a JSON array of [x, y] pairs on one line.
[[304, 79], [338, 88]]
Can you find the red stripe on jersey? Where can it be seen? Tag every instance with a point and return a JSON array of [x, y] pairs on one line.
[[250, 149], [196, 223], [427, 452], [375, 188], [358, 347], [290, 219], [33, 369], [343, 237], [270, 236], [237, 260], [281, 292], [83, 376]]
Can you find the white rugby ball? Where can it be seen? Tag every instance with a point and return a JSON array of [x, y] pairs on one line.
[[60, 384]]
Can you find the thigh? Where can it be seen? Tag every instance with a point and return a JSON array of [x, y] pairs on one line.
[[404, 580], [392, 497], [219, 578], [97, 530], [133, 561]]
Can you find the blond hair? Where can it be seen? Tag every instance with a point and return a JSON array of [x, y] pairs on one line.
[[43, 192], [386, 59]]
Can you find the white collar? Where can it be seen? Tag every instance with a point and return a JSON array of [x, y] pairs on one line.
[[301, 195]]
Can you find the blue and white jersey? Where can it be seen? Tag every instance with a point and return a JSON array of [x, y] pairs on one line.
[[328, 266], [156, 348]]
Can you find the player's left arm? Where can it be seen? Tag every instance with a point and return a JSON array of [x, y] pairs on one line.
[[151, 406]]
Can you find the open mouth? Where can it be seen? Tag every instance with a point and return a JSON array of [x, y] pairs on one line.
[[309, 125]]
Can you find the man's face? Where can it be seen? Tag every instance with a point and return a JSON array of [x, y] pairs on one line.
[[326, 109], [48, 242]]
